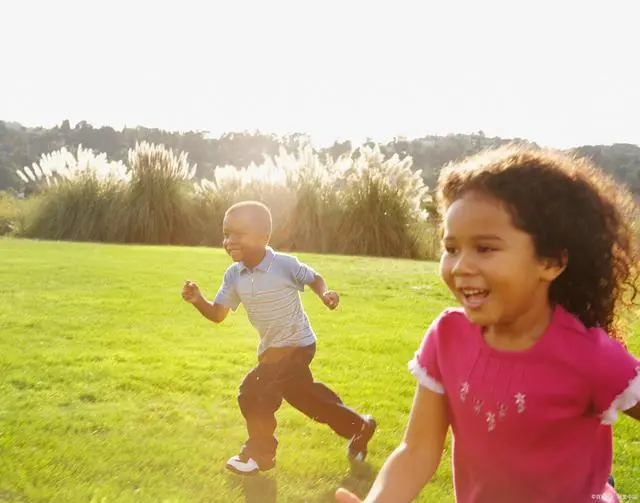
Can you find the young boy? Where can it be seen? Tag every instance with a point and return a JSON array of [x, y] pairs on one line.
[[268, 284]]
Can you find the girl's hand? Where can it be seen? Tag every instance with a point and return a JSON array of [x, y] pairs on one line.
[[344, 496]]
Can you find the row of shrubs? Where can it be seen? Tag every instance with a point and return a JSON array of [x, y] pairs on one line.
[[363, 204]]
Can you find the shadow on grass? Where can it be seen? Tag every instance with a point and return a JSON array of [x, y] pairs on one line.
[[256, 489], [358, 481], [263, 488]]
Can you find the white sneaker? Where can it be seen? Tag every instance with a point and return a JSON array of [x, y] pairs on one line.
[[243, 466]]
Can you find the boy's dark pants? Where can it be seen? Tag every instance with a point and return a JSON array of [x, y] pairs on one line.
[[285, 373]]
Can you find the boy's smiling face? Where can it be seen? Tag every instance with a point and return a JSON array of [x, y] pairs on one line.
[[243, 240]]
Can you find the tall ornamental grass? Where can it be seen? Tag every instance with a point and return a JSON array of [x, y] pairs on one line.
[[360, 203], [153, 205], [74, 195], [13, 211], [382, 207]]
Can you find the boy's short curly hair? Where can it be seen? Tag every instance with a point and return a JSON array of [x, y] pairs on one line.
[[569, 207], [259, 214]]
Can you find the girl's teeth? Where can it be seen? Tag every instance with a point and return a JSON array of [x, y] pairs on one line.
[[474, 298]]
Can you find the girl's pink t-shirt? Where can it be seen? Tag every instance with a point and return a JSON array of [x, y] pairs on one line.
[[531, 426]]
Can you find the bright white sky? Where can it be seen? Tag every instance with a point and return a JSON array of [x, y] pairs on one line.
[[559, 72]]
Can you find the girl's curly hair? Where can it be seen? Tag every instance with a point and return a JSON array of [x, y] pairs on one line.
[[571, 209]]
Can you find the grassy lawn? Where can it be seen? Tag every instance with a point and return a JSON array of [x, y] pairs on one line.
[[114, 390]]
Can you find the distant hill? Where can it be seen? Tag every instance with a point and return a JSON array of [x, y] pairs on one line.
[[20, 146]]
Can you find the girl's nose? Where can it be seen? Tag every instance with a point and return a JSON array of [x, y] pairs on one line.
[[463, 265]]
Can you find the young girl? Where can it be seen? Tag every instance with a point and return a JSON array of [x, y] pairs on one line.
[[530, 373]]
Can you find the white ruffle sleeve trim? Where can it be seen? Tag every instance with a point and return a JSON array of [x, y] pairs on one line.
[[626, 400], [424, 378]]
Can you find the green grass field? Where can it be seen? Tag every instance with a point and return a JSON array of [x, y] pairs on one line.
[[113, 389]]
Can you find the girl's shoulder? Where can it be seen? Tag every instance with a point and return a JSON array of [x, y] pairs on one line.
[[452, 315], [613, 373], [574, 335], [452, 326]]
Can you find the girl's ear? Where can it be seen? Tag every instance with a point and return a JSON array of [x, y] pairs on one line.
[[553, 267]]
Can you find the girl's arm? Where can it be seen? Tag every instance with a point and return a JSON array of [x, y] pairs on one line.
[[416, 459]]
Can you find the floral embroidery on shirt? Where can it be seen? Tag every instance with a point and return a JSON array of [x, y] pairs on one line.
[[464, 391], [491, 421], [495, 414], [502, 410]]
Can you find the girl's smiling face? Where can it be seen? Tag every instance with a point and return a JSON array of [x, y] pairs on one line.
[[490, 265]]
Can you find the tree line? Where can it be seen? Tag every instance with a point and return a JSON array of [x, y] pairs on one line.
[[21, 146]]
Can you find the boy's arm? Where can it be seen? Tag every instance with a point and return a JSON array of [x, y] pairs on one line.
[[216, 311], [210, 310], [414, 462], [319, 286], [303, 275], [634, 412], [330, 298]]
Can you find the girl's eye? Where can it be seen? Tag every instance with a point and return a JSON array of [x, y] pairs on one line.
[[450, 249], [485, 249]]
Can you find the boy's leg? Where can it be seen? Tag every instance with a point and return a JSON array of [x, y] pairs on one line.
[[323, 405], [259, 398]]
